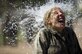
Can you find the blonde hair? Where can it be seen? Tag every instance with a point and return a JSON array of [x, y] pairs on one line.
[[47, 16]]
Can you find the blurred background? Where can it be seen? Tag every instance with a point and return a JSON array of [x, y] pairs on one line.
[[20, 20]]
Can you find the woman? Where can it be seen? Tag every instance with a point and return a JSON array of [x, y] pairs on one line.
[[55, 38]]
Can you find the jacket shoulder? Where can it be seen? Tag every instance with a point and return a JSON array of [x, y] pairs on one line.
[[68, 29]]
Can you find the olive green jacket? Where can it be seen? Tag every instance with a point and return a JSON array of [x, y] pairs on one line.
[[53, 42]]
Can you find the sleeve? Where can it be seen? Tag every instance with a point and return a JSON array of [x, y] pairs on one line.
[[40, 43], [74, 48], [77, 48]]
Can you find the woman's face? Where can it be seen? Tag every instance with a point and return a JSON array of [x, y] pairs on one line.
[[57, 19]]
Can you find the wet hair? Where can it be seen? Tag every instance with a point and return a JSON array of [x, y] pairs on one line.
[[47, 16]]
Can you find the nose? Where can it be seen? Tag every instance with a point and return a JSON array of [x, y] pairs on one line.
[[60, 13]]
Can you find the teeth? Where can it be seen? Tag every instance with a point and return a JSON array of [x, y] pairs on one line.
[[60, 19]]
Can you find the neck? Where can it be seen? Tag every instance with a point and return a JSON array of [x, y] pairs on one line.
[[58, 29]]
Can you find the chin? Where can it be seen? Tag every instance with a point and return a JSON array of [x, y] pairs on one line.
[[61, 28]]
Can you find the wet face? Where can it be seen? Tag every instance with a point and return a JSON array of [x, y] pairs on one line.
[[57, 19]]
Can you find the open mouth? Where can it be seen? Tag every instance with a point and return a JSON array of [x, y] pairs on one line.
[[61, 20]]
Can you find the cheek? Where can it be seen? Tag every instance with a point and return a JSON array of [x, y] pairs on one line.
[[55, 18], [54, 21]]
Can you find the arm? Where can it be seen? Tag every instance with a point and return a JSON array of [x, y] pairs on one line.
[[77, 49], [41, 43], [73, 43]]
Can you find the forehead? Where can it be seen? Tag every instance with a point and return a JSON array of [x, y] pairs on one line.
[[56, 10]]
